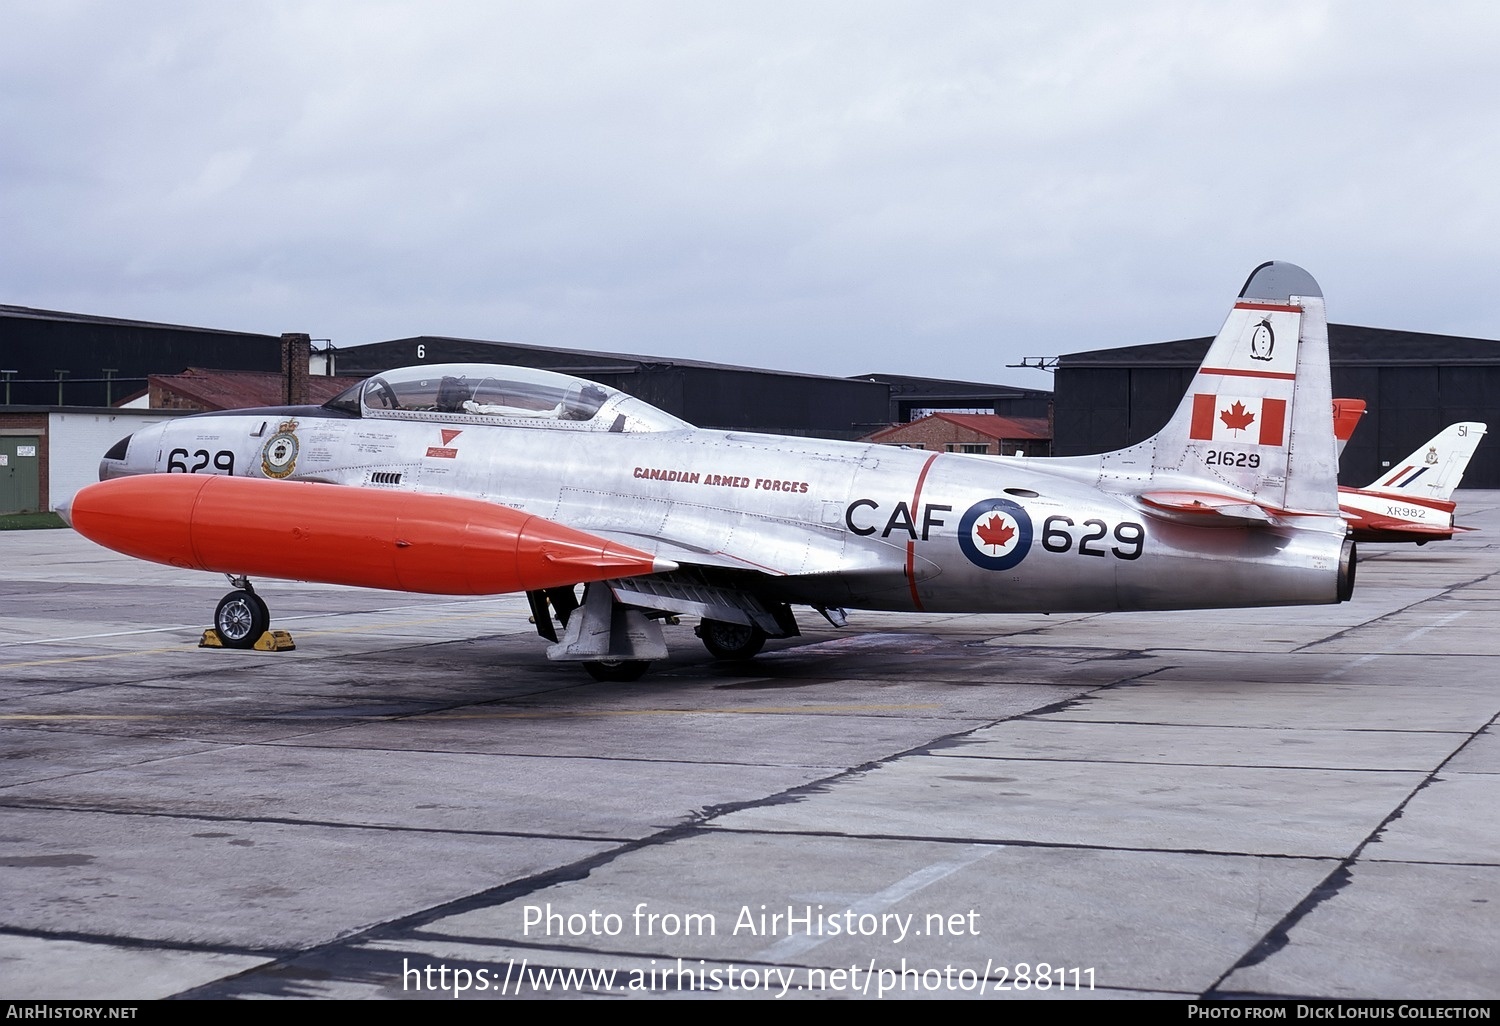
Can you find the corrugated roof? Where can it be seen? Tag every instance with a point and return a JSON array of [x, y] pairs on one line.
[[1347, 344], [239, 390], [598, 362], [912, 385], [990, 425], [33, 314]]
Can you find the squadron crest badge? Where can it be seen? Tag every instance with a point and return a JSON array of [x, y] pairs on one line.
[[279, 457]]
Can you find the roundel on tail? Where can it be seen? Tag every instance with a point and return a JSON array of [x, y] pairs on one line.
[[995, 534]]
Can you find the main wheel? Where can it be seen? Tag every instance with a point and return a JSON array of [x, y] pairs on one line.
[[617, 669], [731, 640], [241, 619]]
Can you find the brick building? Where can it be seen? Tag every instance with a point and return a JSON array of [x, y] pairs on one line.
[[980, 433]]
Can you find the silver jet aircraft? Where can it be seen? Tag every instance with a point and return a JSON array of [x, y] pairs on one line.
[[473, 479]]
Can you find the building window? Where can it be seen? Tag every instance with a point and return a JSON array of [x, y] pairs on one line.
[[970, 447]]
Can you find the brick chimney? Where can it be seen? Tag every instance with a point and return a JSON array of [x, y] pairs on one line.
[[296, 354]]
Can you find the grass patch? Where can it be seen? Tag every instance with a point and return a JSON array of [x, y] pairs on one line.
[[29, 521]]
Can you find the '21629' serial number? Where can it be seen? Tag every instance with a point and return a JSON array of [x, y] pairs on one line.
[[1227, 458]]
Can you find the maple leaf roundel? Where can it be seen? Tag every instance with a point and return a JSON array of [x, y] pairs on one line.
[[995, 534], [1236, 418]]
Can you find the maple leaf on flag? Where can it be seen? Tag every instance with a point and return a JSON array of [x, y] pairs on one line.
[[995, 532], [1236, 417]]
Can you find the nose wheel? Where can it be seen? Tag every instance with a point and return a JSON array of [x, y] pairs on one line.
[[242, 617]]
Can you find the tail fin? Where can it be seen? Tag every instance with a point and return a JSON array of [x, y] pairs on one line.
[[1253, 436], [1346, 414], [1436, 468]]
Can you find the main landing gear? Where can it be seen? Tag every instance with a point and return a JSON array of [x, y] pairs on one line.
[[612, 641], [731, 641], [617, 670], [242, 616], [617, 637]]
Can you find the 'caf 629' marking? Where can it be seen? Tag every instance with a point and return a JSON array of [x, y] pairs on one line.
[[996, 534]]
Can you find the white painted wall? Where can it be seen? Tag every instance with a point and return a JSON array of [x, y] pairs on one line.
[[77, 440]]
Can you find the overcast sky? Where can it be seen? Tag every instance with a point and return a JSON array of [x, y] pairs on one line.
[[936, 188]]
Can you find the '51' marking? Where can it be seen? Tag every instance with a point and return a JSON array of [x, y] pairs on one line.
[[1056, 537]]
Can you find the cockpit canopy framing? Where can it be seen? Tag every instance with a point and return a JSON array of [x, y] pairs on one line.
[[495, 394]]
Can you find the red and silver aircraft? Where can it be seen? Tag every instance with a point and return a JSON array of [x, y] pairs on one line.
[[1414, 501], [471, 479]]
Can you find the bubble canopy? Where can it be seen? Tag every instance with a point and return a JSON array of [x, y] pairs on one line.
[[489, 393]]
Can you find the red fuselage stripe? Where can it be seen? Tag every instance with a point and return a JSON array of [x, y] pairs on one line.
[[1282, 307], [1234, 373], [911, 545]]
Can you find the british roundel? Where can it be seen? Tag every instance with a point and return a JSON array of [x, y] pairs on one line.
[[995, 534]]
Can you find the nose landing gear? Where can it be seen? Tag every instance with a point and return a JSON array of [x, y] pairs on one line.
[[242, 617], [731, 641], [242, 620]]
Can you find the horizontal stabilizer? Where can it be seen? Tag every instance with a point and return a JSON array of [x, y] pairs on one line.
[[1346, 415], [1407, 526], [1232, 508]]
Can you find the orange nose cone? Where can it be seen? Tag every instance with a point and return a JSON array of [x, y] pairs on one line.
[[403, 541]]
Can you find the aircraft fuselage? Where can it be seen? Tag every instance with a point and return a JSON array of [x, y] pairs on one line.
[[820, 522]]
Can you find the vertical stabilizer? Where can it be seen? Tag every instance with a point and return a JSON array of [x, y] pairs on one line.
[[1436, 468], [1255, 430]]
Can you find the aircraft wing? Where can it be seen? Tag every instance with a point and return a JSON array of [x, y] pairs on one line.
[[789, 550], [732, 588], [687, 555], [1397, 526]]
